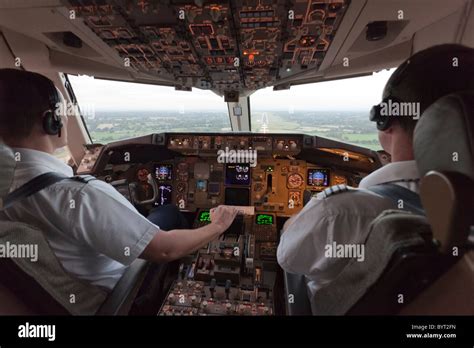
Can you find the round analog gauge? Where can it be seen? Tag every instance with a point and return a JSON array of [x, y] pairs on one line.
[[142, 175], [295, 180], [181, 187]]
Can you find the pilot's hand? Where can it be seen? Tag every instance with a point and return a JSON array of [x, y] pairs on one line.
[[222, 217]]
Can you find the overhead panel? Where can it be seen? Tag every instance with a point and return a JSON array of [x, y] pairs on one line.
[[227, 46]]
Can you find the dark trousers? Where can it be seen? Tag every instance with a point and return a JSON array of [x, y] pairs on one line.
[[168, 217], [159, 276]]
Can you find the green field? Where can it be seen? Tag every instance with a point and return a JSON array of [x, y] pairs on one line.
[[349, 127], [358, 131]]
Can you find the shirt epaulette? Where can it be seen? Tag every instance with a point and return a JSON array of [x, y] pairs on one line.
[[83, 178], [334, 190]]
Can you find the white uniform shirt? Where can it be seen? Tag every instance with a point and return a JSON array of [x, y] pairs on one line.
[[343, 218], [93, 230]]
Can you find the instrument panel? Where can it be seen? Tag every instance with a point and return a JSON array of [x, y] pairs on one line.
[[192, 183], [270, 174]]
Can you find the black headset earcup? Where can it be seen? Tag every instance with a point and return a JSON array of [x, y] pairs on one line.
[[50, 125], [52, 122], [374, 113], [382, 122]]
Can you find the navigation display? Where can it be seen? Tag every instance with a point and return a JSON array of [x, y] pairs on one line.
[[237, 174], [318, 177], [164, 172]]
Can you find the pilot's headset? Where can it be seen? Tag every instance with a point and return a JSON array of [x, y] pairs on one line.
[[52, 122], [384, 122]]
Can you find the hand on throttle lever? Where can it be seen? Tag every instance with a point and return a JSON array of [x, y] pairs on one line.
[[222, 217]]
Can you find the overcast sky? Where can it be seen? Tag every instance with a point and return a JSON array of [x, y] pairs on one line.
[[349, 94]]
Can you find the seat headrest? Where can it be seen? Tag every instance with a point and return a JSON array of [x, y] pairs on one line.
[[444, 136], [7, 169]]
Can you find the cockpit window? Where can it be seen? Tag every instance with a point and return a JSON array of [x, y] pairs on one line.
[[116, 110], [334, 109], [337, 109]]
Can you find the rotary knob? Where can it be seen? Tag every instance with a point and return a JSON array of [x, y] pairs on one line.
[[205, 306], [172, 298], [193, 299]]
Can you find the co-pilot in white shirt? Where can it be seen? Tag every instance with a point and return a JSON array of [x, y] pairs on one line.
[[342, 218], [93, 230]]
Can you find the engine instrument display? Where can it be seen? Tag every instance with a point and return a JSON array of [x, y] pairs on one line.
[[237, 174], [318, 177]]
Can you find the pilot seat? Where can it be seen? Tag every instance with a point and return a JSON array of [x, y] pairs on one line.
[[42, 286]]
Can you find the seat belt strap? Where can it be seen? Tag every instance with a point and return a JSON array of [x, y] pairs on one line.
[[410, 200], [37, 184]]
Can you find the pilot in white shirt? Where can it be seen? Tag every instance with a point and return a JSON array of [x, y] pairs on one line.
[[93, 246], [344, 218], [92, 229]]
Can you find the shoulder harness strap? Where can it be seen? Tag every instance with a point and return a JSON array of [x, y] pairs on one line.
[[39, 183], [410, 200]]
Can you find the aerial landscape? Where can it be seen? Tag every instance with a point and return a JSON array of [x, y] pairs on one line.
[[351, 127]]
